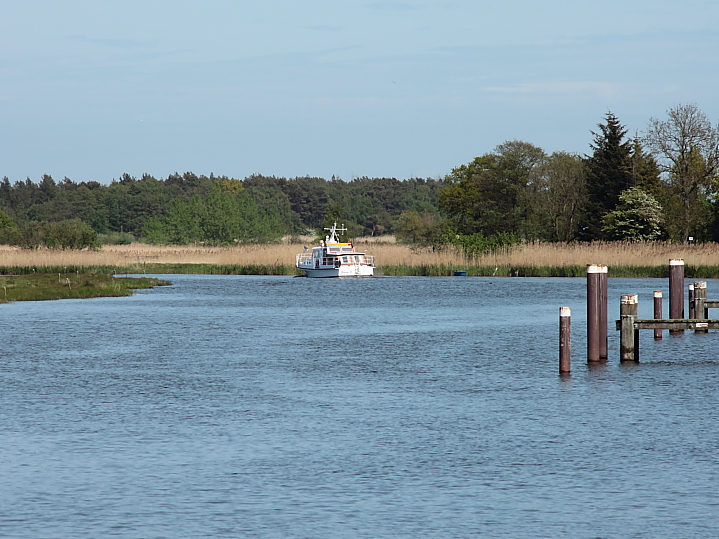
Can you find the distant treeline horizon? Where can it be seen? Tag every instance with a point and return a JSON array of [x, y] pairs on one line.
[[190, 208], [663, 185]]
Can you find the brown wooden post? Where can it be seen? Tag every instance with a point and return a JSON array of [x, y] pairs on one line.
[[565, 339], [593, 313], [657, 312], [692, 312], [627, 338], [700, 310], [634, 311], [676, 291], [603, 311]]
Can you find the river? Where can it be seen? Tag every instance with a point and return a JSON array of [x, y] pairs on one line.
[[280, 407]]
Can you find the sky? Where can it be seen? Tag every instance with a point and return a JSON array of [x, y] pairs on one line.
[[90, 90]]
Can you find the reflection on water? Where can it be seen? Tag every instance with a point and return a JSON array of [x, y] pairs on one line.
[[386, 407]]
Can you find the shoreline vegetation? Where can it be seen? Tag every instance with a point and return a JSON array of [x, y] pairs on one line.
[[625, 259], [28, 286]]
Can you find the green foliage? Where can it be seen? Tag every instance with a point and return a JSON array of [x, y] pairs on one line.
[[637, 217], [143, 207], [488, 194], [68, 234], [56, 285], [608, 173], [422, 229], [9, 230], [477, 244], [116, 238], [557, 192], [219, 218], [686, 147], [645, 171], [228, 185]]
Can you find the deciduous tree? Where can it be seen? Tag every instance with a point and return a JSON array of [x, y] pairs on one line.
[[488, 194], [686, 146], [637, 217], [558, 193]]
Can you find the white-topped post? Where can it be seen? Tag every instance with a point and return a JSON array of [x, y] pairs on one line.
[[657, 312], [594, 312], [565, 321], [676, 291], [603, 311]]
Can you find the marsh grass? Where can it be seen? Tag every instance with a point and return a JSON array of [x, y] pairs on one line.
[[531, 259], [50, 286]]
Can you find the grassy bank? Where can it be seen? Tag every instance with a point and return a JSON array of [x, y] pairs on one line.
[[50, 286], [535, 259]]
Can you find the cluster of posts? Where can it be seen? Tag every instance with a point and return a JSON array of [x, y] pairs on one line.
[[629, 323]]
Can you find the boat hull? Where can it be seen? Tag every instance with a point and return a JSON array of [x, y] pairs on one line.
[[346, 270]]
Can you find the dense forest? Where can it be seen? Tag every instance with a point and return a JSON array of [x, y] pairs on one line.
[[215, 210], [661, 185]]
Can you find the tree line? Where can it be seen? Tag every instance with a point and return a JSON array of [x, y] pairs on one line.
[[660, 184], [187, 208]]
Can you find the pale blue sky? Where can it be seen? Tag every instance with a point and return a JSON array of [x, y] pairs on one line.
[[90, 90]]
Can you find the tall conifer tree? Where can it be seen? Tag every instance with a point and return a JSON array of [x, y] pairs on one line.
[[608, 173]]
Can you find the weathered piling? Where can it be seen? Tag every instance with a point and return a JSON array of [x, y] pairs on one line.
[[628, 340], [692, 313], [676, 291], [603, 311], [629, 337], [700, 310], [565, 329], [634, 311], [593, 312], [657, 312]]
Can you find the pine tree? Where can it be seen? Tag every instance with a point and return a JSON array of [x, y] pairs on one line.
[[608, 173], [645, 171]]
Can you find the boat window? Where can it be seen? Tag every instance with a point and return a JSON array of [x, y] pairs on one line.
[[344, 259], [346, 249], [334, 249]]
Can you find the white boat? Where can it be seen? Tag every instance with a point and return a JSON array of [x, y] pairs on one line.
[[335, 259]]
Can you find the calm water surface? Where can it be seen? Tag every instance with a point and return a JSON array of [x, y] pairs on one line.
[[387, 407]]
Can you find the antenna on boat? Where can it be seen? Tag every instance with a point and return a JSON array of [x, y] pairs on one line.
[[332, 237]]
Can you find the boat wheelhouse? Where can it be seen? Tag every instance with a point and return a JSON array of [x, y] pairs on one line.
[[335, 259]]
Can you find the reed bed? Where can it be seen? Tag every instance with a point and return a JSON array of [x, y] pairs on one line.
[[531, 259]]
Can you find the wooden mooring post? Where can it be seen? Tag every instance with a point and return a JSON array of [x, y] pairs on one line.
[[700, 309], [629, 324], [597, 317], [565, 340], [676, 291], [658, 312], [629, 337], [691, 300]]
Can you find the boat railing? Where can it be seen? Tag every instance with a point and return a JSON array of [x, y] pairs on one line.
[[303, 258]]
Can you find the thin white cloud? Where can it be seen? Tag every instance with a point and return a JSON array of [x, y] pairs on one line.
[[599, 88]]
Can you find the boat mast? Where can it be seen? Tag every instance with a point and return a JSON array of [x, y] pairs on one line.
[[332, 237]]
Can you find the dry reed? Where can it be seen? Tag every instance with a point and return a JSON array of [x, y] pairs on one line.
[[394, 254]]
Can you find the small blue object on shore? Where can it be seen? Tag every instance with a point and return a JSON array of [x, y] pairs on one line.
[[460, 273]]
